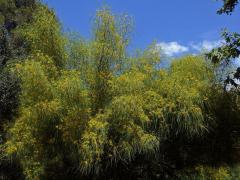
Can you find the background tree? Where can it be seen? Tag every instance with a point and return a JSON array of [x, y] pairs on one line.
[[13, 14], [231, 47], [228, 6], [30, 30]]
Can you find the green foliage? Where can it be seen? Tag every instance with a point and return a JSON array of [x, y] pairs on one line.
[[228, 6], [44, 35], [204, 172], [108, 52], [13, 14], [228, 51], [56, 110], [36, 110], [9, 88], [201, 172], [185, 89], [87, 107], [56, 119]]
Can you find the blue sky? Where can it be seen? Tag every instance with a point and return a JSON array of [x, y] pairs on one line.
[[179, 26]]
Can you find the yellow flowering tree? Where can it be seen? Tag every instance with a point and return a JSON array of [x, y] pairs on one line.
[[112, 114], [44, 35], [108, 52]]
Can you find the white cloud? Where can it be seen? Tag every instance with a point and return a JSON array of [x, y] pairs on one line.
[[206, 45], [172, 48]]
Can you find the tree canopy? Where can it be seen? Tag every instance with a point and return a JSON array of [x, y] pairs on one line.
[[86, 109], [228, 6]]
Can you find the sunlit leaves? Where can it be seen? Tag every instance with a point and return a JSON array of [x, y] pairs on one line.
[[92, 145], [100, 110], [44, 35], [184, 90], [108, 53]]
